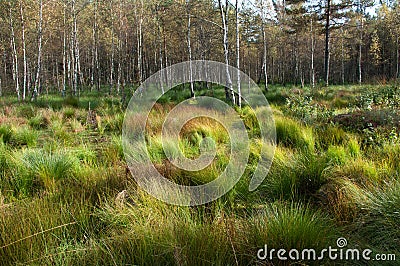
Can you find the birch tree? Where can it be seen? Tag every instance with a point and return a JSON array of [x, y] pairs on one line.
[[39, 55], [264, 38], [25, 77], [238, 53], [224, 11], [189, 47], [15, 71], [327, 40]]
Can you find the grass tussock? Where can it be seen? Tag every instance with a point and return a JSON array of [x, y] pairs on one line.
[[68, 198]]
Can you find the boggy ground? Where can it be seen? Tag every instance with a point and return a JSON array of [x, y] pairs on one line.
[[66, 197]]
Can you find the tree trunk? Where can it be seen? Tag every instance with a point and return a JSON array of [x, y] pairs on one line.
[[93, 73], [64, 88], [312, 55], [96, 50], [264, 46], [15, 55], [23, 51], [397, 58], [74, 55], [119, 47], [192, 94], [360, 53], [39, 57], [238, 54], [112, 48], [160, 58], [342, 57], [139, 34], [327, 29], [229, 93]]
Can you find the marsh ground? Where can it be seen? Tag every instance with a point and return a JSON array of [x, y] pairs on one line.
[[336, 173]]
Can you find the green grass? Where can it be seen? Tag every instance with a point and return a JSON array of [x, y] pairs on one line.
[[38, 169], [291, 134], [60, 177]]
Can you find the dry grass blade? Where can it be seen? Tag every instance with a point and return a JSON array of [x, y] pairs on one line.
[[36, 234]]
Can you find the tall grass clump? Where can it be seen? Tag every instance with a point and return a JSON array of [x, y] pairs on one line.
[[24, 136], [291, 134], [71, 101], [375, 211], [167, 235], [359, 170], [336, 155], [43, 232], [113, 153], [6, 168], [39, 169], [5, 133], [379, 221], [330, 136], [68, 113], [290, 226], [294, 176], [38, 122]]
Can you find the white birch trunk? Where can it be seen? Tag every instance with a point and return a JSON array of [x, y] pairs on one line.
[[192, 94], [238, 54], [39, 57], [229, 93], [23, 51], [15, 55]]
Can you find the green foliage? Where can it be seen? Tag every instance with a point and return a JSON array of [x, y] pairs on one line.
[[5, 133], [24, 136], [291, 134], [304, 108], [294, 226], [294, 176], [387, 96], [40, 169], [69, 113], [71, 101], [336, 155], [63, 172], [380, 221], [330, 135], [26, 111], [38, 122]]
